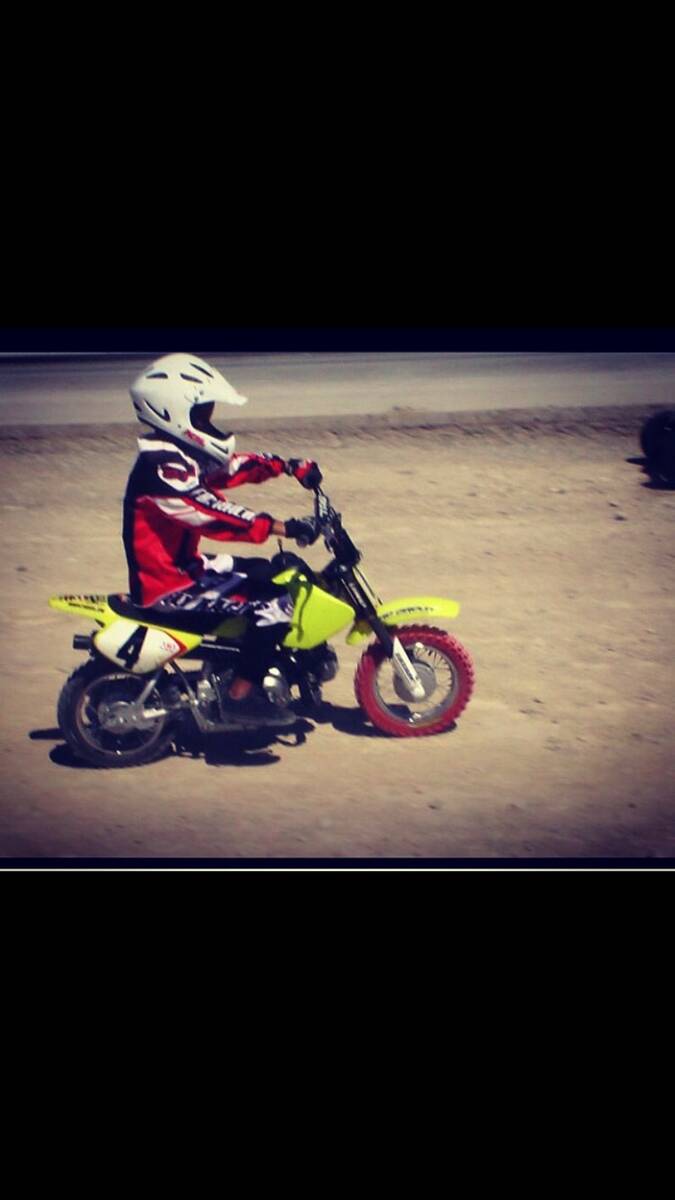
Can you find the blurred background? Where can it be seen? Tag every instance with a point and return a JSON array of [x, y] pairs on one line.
[[92, 388]]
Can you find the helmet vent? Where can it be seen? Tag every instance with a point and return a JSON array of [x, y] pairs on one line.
[[191, 378], [202, 369], [157, 375], [165, 416]]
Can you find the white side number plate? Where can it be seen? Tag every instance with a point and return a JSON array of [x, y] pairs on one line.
[[137, 648]]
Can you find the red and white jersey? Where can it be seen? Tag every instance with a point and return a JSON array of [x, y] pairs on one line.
[[169, 505]]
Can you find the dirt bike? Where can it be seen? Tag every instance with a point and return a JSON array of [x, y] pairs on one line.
[[133, 697]]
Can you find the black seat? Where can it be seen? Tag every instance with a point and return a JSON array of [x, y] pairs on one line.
[[188, 622]]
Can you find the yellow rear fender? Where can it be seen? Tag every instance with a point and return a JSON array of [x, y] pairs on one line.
[[95, 607], [407, 610], [139, 646]]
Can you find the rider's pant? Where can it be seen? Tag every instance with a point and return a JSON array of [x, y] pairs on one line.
[[234, 587]]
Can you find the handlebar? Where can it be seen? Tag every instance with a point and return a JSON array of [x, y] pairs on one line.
[[323, 515], [329, 524]]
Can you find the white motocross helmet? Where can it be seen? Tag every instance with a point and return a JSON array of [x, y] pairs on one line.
[[177, 394]]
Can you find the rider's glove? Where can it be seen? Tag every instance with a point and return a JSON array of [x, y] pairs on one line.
[[303, 529], [305, 471]]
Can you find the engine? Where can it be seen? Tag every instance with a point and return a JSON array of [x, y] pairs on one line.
[[321, 663]]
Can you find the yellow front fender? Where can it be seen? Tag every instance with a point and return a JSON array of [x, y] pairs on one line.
[[409, 609]]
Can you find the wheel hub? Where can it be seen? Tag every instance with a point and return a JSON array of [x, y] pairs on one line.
[[122, 717], [427, 677]]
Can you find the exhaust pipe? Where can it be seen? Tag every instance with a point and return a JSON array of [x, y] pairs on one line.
[[80, 642]]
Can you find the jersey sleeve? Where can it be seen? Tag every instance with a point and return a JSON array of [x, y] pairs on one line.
[[247, 468], [177, 491]]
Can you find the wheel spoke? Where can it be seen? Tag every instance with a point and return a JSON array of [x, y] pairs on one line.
[[444, 670], [419, 712], [102, 695]]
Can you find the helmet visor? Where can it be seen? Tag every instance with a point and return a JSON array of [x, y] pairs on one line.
[[200, 417]]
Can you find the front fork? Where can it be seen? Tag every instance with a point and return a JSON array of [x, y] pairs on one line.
[[399, 659], [361, 596]]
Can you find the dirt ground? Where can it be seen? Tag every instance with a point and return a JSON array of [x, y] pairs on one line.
[[563, 560]]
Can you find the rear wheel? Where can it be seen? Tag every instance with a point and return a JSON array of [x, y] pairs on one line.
[[445, 670], [657, 438], [97, 719]]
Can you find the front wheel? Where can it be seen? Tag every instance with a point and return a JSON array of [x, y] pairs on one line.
[[445, 670], [97, 718]]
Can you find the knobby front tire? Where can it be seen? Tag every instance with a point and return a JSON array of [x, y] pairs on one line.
[[438, 653]]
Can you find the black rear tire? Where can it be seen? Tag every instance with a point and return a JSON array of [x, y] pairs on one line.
[[88, 687], [657, 439]]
